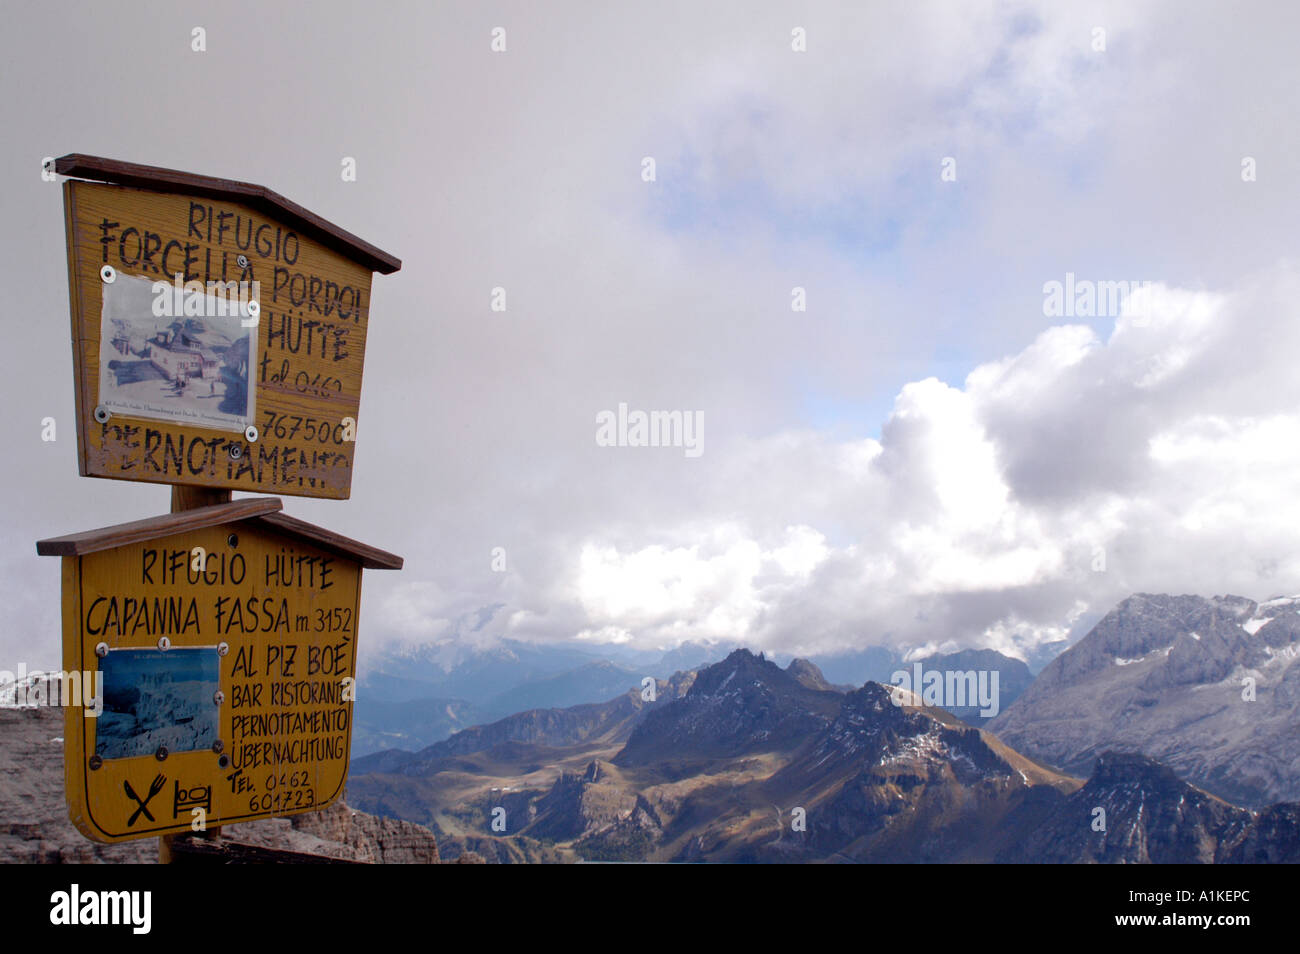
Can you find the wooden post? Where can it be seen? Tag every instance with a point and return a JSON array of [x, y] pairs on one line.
[[172, 846], [185, 497]]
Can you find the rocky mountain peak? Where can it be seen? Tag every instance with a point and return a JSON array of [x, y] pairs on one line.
[[808, 675], [1132, 768], [743, 703], [1142, 626], [740, 666], [1207, 685]]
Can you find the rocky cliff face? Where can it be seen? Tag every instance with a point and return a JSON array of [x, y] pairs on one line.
[[1208, 686], [343, 832], [34, 825], [1136, 811], [885, 782]]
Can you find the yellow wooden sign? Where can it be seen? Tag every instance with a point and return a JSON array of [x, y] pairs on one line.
[[217, 660], [218, 332]]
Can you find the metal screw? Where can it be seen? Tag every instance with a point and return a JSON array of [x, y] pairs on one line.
[[254, 308], [103, 414], [233, 540], [223, 648], [108, 275], [242, 261], [161, 754], [223, 761], [250, 432], [164, 643], [94, 762], [101, 650], [218, 697], [236, 452], [218, 746]]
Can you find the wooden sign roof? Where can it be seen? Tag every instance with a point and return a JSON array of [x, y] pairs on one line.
[[261, 511], [80, 166], [218, 331]]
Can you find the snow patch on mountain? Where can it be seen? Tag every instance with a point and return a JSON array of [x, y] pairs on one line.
[[1120, 661]]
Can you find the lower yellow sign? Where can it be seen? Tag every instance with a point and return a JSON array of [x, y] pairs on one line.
[[218, 668]]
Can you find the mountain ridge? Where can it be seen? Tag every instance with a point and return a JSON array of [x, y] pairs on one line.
[[1208, 685], [749, 763]]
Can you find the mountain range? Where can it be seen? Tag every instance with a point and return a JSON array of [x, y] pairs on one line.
[[1166, 735], [748, 761], [411, 698]]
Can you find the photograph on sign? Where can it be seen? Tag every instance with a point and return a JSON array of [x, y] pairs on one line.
[[177, 353], [156, 699]]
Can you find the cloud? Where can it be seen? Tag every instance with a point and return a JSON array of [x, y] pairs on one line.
[[717, 589], [964, 461], [1056, 480]]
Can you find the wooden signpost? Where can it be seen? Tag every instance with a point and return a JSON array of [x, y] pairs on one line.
[[263, 399], [224, 642], [218, 336]]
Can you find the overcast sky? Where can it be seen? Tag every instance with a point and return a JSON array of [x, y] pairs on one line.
[[922, 457]]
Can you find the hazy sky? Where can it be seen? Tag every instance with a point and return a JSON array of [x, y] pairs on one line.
[[922, 456]]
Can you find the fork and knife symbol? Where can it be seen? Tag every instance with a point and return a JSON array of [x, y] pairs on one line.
[[155, 787]]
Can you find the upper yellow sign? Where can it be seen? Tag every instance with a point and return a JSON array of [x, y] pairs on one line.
[[218, 334]]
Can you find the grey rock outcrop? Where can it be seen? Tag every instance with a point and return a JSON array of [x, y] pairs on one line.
[[1210, 687], [34, 824]]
